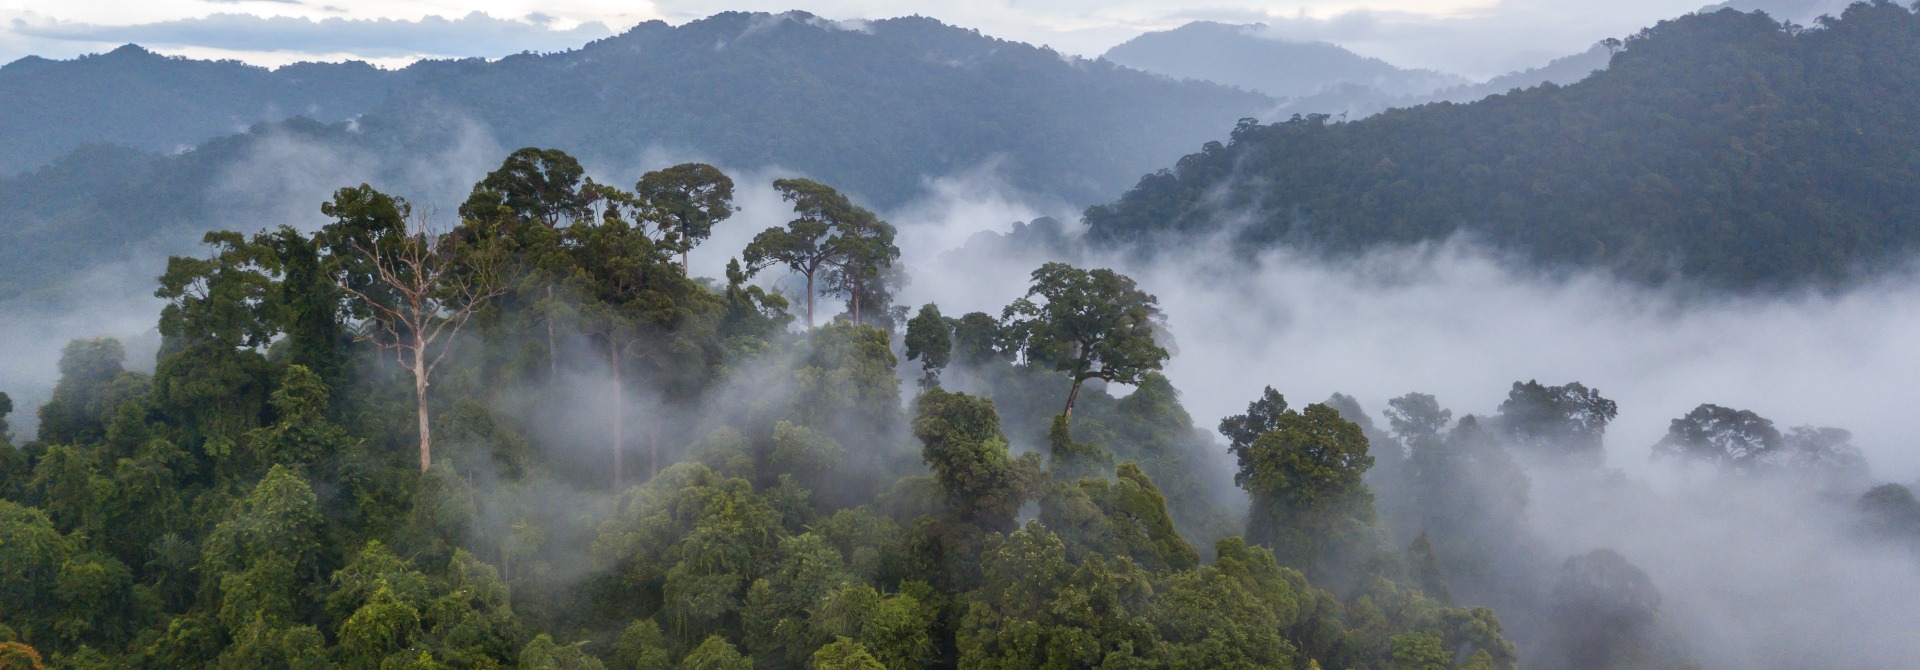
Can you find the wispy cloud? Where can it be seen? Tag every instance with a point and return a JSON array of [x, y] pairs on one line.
[[475, 34]]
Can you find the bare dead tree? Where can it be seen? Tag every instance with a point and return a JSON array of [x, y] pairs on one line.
[[436, 287]]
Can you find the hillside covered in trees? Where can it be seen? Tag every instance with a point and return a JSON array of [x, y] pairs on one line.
[[138, 99], [1723, 147], [882, 104], [531, 440], [884, 108]]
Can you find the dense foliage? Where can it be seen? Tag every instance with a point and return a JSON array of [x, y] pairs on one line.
[[1724, 147], [266, 498], [614, 464]]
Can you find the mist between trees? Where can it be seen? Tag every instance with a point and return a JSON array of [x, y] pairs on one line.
[[524, 435]]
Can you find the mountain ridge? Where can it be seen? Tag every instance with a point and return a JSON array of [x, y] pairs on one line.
[[1237, 55], [1726, 148], [141, 99], [879, 109]]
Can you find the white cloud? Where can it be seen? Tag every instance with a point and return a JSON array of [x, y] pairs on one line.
[[1471, 37], [475, 34]]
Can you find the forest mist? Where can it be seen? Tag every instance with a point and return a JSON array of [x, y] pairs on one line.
[[1753, 573], [1756, 573]]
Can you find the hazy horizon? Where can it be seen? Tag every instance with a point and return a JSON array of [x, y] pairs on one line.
[[1474, 39]]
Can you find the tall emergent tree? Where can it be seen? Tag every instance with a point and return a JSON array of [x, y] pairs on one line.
[[1304, 472], [930, 341], [1091, 324], [309, 303], [864, 269], [832, 236], [686, 200], [1734, 439], [1263, 415], [427, 289], [633, 298], [527, 204], [1566, 421], [544, 186]]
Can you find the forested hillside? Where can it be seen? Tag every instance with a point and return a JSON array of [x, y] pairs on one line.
[[530, 439], [107, 204], [884, 108], [883, 104], [135, 98], [1722, 147]]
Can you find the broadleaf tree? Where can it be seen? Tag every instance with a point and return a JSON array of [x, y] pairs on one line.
[[1090, 324], [686, 201]]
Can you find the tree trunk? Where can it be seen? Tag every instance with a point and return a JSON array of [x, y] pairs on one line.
[[809, 302], [619, 416], [420, 401], [653, 448], [1071, 396], [856, 302], [685, 268], [553, 351]]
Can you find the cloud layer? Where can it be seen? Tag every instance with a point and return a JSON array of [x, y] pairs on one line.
[[473, 35]]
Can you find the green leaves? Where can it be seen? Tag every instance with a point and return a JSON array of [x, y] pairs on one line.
[[1566, 421], [538, 186], [31, 555], [851, 245], [715, 653], [201, 518], [220, 300], [1123, 517], [1730, 438], [544, 654], [1304, 475], [301, 433], [845, 654], [930, 341], [1092, 324], [1707, 150], [86, 397], [982, 482], [1310, 459], [686, 201]]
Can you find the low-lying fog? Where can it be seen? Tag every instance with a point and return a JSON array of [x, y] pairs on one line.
[[1751, 576]]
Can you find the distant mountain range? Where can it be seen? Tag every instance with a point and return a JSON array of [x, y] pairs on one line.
[[1243, 56], [1318, 77], [136, 98], [1727, 157], [877, 110]]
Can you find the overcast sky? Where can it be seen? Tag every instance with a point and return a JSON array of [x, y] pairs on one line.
[[1476, 38]]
